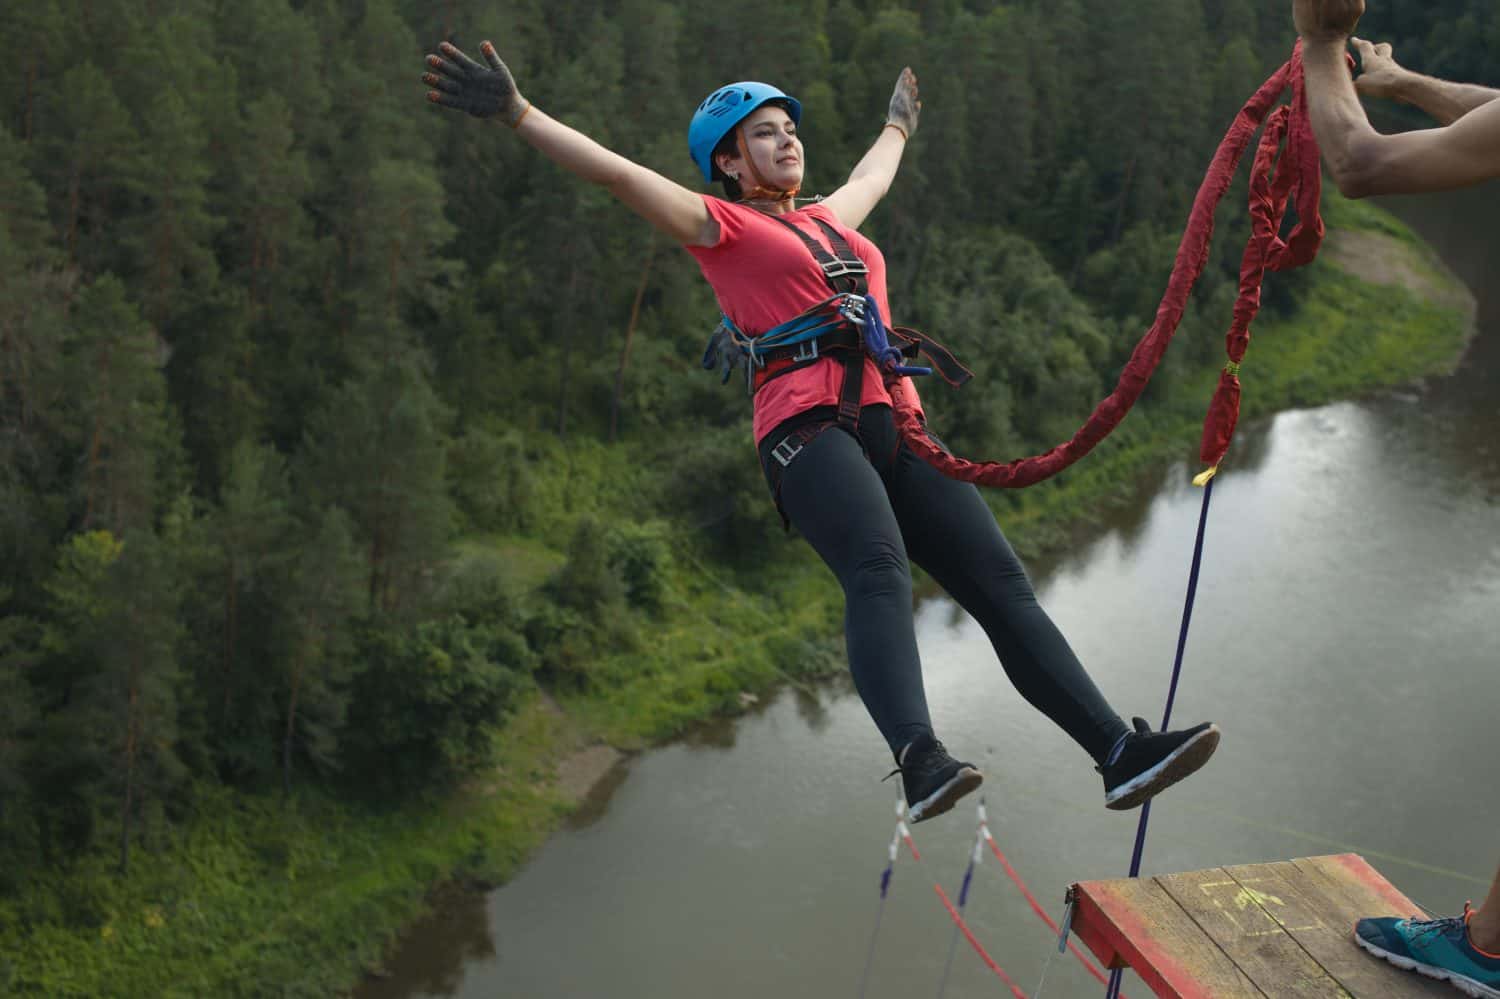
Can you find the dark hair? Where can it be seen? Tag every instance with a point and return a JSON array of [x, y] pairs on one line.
[[727, 147]]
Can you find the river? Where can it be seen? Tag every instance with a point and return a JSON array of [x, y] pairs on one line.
[[1346, 638]]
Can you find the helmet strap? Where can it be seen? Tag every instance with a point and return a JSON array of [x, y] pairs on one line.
[[761, 191]]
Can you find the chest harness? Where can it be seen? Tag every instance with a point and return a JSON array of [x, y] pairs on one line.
[[846, 326]]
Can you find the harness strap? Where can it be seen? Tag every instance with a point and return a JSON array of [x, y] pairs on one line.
[[778, 361], [843, 269], [834, 328], [913, 342], [845, 273]]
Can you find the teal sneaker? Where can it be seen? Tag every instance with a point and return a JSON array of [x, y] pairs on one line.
[[1437, 948]]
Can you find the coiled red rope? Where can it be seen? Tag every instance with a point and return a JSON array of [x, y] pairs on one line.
[[1272, 183]]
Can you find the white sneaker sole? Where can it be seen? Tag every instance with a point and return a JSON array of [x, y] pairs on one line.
[[1463, 983], [945, 797], [1181, 762]]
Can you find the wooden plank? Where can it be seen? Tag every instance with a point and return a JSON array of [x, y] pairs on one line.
[[1368, 893], [1318, 918], [1145, 927], [1240, 920]]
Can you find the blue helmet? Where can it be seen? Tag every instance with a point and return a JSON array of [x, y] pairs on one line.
[[725, 108]]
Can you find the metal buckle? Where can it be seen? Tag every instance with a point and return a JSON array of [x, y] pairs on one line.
[[807, 350], [786, 450], [853, 308], [843, 268]]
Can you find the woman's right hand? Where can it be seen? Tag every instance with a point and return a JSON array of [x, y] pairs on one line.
[[464, 85], [1379, 73]]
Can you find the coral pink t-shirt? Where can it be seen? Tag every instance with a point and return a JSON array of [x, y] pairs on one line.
[[763, 275]]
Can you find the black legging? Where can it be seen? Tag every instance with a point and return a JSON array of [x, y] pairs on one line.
[[865, 506]]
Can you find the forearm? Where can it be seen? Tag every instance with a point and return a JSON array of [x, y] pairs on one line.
[[571, 149], [1344, 133], [674, 210], [878, 166], [1447, 102], [856, 199]]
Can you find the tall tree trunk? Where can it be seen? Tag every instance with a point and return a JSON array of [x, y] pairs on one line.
[[96, 442], [1125, 187], [163, 262], [569, 321], [231, 633], [30, 100], [291, 717], [132, 724], [75, 208], [635, 314]]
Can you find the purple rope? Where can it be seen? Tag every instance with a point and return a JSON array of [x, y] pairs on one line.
[[885, 883], [1117, 975], [963, 897]]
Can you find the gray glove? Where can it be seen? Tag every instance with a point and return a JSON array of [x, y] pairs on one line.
[[906, 106], [465, 85], [723, 351]]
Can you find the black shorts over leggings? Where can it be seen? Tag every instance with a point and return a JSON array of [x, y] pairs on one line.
[[866, 505]]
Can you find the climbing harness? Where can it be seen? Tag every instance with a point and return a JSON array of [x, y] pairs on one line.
[[846, 326]]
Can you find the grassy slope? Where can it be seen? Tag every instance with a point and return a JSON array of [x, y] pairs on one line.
[[256, 897]]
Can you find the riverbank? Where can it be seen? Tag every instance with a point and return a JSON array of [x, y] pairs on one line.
[[261, 897]]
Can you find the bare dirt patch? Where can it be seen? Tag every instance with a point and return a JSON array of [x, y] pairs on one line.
[[579, 772], [582, 766], [1384, 260]]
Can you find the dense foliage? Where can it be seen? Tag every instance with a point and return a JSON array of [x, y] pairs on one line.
[[275, 335]]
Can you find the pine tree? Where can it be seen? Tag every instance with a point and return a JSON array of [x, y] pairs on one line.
[[35, 37], [33, 324], [171, 234], [318, 598], [86, 152], [250, 528], [131, 455], [19, 654], [113, 677], [378, 451]]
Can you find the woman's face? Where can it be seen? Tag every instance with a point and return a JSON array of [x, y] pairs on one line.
[[771, 140]]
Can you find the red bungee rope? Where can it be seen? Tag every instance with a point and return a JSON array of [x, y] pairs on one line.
[[1272, 184]]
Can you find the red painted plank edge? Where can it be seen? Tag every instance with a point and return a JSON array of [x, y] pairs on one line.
[[1120, 940]]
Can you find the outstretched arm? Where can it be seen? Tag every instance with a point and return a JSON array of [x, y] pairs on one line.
[[872, 176], [1364, 162], [1382, 76], [490, 93]]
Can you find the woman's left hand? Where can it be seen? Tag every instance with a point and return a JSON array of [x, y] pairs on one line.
[[906, 106]]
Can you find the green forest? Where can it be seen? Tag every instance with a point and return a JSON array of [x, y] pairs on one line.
[[338, 431]]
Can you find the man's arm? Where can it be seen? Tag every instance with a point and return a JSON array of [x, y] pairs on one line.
[[1364, 162], [1382, 76]]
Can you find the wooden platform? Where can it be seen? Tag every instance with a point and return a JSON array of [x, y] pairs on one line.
[[1260, 930]]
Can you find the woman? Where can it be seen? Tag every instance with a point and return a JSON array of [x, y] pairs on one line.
[[823, 419]]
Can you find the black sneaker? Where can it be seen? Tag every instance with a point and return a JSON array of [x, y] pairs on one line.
[[933, 780], [1150, 762]]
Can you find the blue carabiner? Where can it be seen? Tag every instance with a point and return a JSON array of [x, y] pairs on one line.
[[879, 345]]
